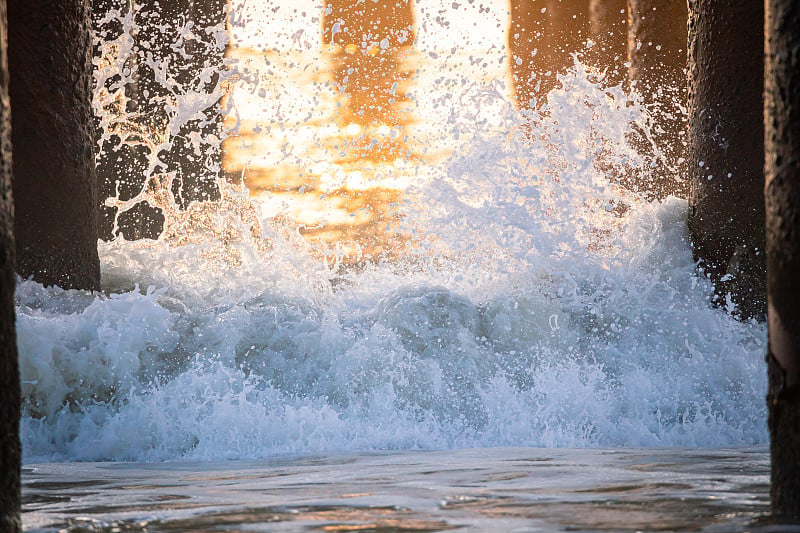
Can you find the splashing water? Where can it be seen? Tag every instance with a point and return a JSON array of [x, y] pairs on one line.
[[536, 303]]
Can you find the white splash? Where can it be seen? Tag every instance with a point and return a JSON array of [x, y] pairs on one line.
[[540, 304]]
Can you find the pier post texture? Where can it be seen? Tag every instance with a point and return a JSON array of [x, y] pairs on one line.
[[782, 192], [55, 192], [9, 368], [725, 161]]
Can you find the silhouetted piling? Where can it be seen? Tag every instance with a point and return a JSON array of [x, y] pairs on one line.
[[55, 193], [725, 153], [657, 42], [122, 158], [782, 191], [9, 369], [543, 36], [174, 56], [196, 162], [608, 29]]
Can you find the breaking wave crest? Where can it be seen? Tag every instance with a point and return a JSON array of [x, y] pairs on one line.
[[538, 303]]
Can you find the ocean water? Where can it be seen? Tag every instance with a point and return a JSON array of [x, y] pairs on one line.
[[495, 489], [525, 310], [518, 298]]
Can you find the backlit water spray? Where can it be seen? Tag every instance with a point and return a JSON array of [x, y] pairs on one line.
[[531, 301]]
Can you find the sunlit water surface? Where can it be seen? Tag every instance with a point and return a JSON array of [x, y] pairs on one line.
[[501, 489], [448, 273]]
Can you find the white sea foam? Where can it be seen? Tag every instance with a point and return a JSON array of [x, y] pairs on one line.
[[512, 327], [541, 304]]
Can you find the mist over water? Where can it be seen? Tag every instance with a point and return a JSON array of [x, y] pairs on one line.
[[531, 301]]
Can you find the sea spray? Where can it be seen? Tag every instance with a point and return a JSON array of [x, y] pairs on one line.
[[533, 301], [159, 78]]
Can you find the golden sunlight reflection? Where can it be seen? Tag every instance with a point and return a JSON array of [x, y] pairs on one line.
[[337, 109]]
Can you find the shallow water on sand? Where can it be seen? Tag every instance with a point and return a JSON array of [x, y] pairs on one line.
[[491, 489]]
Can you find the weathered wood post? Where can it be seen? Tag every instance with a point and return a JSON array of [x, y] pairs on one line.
[[542, 37], [782, 192], [55, 191], [657, 42], [724, 162], [608, 29], [10, 450]]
